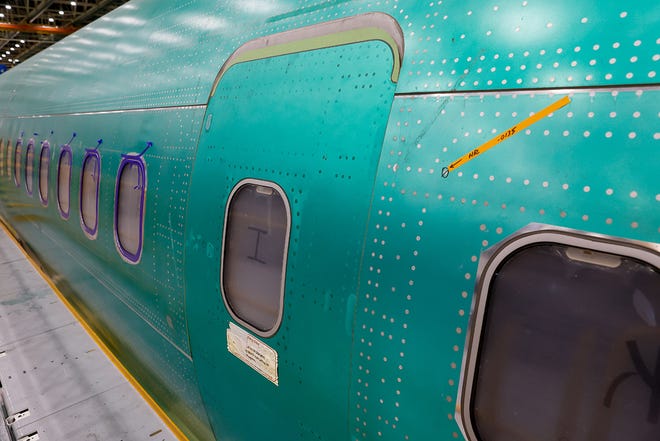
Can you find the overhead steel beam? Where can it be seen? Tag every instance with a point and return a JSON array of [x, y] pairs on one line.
[[32, 15], [32, 51], [40, 9], [30, 25], [33, 39], [93, 10], [37, 29]]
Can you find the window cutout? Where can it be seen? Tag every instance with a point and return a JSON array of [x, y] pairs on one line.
[[29, 167], [44, 172], [17, 162], [130, 194], [8, 156], [90, 178], [3, 157], [566, 341], [256, 239], [64, 181]]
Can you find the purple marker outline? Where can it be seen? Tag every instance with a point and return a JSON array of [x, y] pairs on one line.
[[65, 151], [90, 232], [17, 162], [131, 159], [29, 168], [45, 149]]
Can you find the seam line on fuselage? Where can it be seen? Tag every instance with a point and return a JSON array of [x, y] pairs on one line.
[[532, 91], [455, 93], [113, 288], [109, 112]]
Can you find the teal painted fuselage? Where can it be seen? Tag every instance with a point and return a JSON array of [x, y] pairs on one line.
[[353, 113]]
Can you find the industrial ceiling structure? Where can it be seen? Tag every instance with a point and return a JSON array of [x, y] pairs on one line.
[[30, 26]]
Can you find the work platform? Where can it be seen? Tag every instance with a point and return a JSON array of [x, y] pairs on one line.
[[57, 384]]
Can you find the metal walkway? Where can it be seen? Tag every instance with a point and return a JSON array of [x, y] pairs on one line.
[[56, 383]]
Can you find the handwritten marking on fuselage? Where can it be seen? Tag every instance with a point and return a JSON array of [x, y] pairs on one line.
[[259, 232], [522, 125]]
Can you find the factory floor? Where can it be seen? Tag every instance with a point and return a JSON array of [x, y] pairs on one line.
[[56, 383]]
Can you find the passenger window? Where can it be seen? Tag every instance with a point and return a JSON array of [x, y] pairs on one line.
[[44, 172], [8, 156], [2, 157], [17, 162], [567, 344], [256, 238], [29, 166], [64, 181], [129, 209], [9, 163], [89, 192]]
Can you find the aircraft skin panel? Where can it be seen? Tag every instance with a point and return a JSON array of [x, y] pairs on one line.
[[565, 170], [152, 288], [281, 135], [144, 300], [384, 248], [152, 53]]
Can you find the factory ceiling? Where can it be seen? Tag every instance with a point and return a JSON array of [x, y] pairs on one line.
[[30, 26]]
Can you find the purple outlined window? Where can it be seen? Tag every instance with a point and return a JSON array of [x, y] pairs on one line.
[[3, 157], [130, 195], [254, 255], [44, 172], [29, 167], [64, 181], [8, 156], [90, 178], [17, 162]]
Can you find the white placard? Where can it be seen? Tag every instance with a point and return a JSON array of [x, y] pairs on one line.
[[255, 353]]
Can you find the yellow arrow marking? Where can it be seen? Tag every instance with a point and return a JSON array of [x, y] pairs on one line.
[[522, 125]]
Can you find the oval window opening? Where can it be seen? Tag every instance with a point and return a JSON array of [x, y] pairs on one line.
[[44, 172], [17, 162], [64, 182], [256, 238], [566, 341], [29, 166], [89, 193], [129, 208], [3, 157], [8, 156]]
